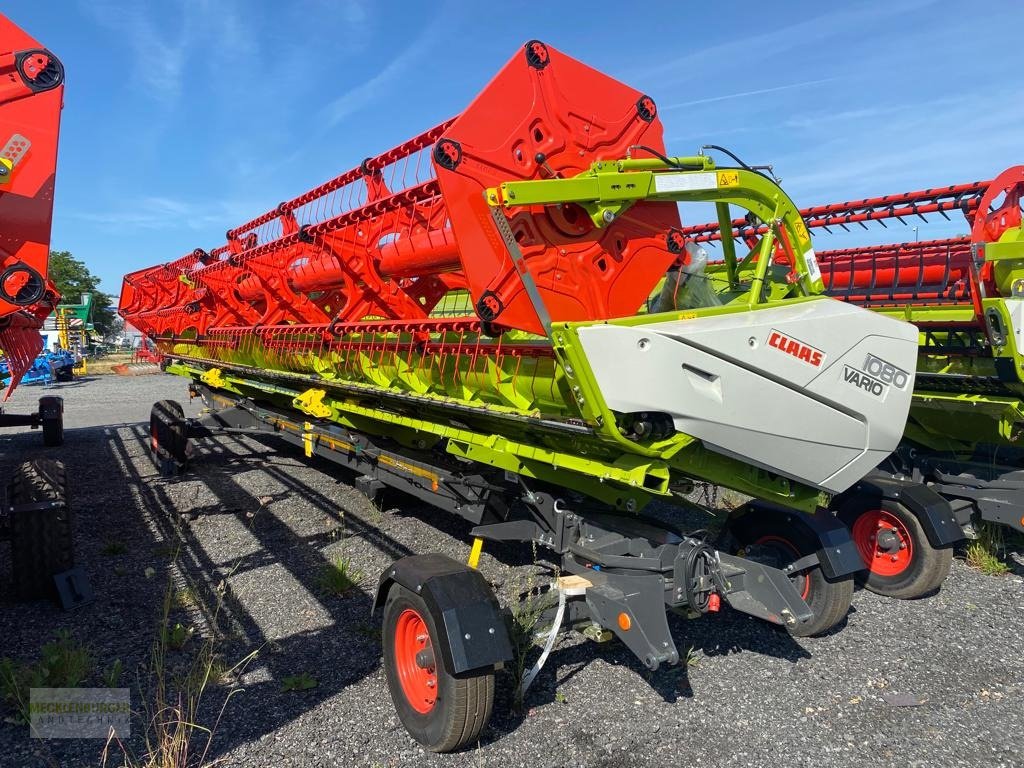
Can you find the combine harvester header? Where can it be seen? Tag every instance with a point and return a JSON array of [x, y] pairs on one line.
[[481, 317], [402, 274]]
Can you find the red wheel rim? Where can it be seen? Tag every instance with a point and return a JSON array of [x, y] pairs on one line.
[[419, 682], [884, 543], [790, 549]]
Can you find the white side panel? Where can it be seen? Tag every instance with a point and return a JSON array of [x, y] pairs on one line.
[[817, 391]]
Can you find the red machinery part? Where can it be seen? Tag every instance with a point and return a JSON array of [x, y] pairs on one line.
[[31, 96], [406, 239]]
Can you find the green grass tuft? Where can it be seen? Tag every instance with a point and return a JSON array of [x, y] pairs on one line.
[[113, 548], [986, 552], [338, 577], [63, 663], [302, 682]]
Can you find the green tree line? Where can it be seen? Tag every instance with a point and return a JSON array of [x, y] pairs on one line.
[[72, 279]]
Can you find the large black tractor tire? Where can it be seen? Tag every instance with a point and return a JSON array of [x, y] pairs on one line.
[[778, 538], [168, 435], [899, 560], [41, 539], [51, 418], [441, 711]]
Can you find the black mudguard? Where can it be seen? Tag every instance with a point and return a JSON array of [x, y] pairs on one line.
[[462, 604], [837, 554], [933, 511]]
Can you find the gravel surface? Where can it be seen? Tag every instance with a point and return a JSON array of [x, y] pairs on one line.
[[257, 523]]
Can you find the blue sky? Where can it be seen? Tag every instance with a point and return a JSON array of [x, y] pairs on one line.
[[184, 117]]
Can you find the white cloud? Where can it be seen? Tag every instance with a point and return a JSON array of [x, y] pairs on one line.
[[745, 94], [156, 212], [157, 56], [364, 93]]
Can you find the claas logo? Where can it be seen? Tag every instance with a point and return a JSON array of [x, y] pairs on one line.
[[797, 349]]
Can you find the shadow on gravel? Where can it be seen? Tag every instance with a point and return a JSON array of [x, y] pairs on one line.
[[118, 495], [353, 636], [338, 655]]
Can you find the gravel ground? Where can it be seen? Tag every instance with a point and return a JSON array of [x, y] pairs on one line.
[[257, 523]]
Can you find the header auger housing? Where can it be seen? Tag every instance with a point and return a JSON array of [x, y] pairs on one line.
[[502, 316]]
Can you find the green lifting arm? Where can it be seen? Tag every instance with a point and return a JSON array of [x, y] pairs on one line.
[[608, 188]]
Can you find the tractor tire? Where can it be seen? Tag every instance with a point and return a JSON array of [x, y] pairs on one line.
[[168, 435], [441, 711], [899, 560], [782, 539], [51, 418], [41, 539]]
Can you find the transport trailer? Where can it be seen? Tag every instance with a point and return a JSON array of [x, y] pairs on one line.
[[502, 317], [963, 438], [35, 513]]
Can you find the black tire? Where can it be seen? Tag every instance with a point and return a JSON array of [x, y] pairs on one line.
[[903, 564], [168, 432], [463, 704], [41, 539], [51, 418], [778, 538], [65, 374]]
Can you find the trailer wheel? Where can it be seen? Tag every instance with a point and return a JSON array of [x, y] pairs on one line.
[[51, 418], [441, 711], [41, 541], [168, 432], [779, 539], [899, 560]]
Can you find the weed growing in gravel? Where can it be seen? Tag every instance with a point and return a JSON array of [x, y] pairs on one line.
[[302, 682], [185, 597], [63, 663], [985, 552], [112, 675], [175, 637], [527, 602], [338, 577], [171, 706], [113, 548], [251, 516]]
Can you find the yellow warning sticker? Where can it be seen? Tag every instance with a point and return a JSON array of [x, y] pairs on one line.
[[802, 235], [728, 178]]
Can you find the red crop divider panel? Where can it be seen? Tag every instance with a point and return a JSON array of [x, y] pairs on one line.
[[407, 235], [547, 113]]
